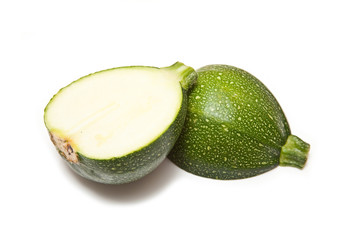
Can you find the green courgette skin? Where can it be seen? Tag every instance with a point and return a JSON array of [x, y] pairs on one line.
[[134, 165], [234, 127]]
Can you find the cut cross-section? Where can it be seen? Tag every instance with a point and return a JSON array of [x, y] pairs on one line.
[[112, 115]]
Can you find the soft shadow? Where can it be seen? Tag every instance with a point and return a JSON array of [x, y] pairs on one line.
[[133, 192]]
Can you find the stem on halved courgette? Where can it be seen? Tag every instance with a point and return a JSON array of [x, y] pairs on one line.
[[186, 74]]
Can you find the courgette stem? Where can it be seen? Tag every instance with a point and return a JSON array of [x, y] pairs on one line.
[[187, 75], [294, 153]]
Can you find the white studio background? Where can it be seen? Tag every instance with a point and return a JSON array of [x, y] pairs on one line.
[[306, 52]]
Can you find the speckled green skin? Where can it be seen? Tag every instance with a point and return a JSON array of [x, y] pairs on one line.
[[234, 127], [134, 165]]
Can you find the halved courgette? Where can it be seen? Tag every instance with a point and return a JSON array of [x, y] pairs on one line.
[[117, 125]]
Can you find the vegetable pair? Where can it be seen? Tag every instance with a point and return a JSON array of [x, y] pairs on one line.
[[117, 125]]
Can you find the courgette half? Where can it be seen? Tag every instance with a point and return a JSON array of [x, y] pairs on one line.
[[235, 128], [117, 125]]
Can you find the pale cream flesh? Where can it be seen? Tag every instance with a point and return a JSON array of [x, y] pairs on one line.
[[115, 112]]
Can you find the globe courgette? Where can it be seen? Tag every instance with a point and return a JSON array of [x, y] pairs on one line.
[[234, 128], [117, 125]]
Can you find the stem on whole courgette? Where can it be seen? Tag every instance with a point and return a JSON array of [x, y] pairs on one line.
[[187, 74], [294, 153]]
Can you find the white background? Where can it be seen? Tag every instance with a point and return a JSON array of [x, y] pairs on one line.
[[306, 52]]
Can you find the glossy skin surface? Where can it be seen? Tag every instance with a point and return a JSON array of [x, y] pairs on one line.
[[234, 128]]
